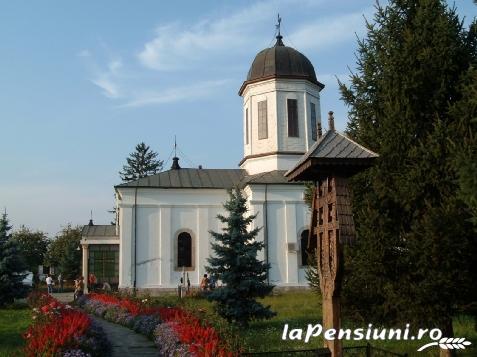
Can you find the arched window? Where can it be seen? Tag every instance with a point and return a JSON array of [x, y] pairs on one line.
[[307, 250], [184, 250]]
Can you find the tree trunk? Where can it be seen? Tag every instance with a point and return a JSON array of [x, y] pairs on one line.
[[447, 331]]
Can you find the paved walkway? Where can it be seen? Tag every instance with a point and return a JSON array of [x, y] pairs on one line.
[[65, 298], [125, 341]]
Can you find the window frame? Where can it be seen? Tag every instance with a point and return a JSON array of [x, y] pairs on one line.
[[247, 141], [313, 122], [303, 247], [292, 118], [176, 250], [262, 122]]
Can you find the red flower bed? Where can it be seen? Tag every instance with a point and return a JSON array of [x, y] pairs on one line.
[[131, 306], [202, 339], [56, 326]]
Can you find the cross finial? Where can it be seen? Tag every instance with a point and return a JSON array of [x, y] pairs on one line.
[[279, 35], [175, 146]]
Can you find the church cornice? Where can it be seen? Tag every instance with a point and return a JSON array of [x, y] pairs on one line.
[[270, 153]]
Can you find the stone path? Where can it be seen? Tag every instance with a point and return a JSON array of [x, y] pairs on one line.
[[126, 342]]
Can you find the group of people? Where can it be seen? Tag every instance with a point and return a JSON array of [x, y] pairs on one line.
[[79, 284], [50, 283], [207, 284]]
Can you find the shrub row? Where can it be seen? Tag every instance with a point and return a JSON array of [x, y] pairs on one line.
[[59, 330]]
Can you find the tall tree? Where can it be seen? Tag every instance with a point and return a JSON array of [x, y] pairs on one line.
[[235, 263], [140, 163], [64, 252], [415, 249], [464, 113], [32, 245], [12, 266]]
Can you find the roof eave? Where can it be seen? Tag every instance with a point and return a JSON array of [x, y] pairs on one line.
[[247, 82]]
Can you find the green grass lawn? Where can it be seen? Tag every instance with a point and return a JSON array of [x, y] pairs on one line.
[[300, 308], [13, 323]]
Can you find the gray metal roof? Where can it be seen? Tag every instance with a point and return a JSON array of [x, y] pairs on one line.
[[280, 61], [106, 230], [206, 178], [271, 177], [331, 150], [190, 178]]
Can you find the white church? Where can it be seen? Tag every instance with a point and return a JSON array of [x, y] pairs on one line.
[[164, 220]]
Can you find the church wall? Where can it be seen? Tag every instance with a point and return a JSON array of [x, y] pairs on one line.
[[161, 215], [287, 217]]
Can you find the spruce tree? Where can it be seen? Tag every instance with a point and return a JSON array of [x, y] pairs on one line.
[[140, 163], [12, 267], [235, 263], [415, 249]]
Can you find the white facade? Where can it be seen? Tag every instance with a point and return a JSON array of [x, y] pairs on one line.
[[164, 213]]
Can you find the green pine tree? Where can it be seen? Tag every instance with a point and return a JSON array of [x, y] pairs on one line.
[[236, 265], [415, 250], [464, 113], [140, 163], [311, 272], [12, 267]]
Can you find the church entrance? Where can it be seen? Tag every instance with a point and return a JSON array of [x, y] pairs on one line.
[[103, 262]]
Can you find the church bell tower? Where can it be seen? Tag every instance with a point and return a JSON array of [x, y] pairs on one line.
[[281, 109]]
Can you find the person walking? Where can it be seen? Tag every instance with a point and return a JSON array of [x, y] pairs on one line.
[[204, 284], [92, 282], [49, 284], [79, 287], [60, 283]]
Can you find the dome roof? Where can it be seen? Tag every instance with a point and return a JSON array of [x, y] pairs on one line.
[[280, 61]]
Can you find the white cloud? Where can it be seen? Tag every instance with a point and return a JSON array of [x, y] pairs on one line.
[[177, 46], [84, 53], [183, 93], [107, 79], [110, 89], [329, 31]]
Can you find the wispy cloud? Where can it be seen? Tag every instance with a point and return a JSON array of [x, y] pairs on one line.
[[84, 53], [329, 31], [107, 79], [177, 45], [219, 42], [187, 93]]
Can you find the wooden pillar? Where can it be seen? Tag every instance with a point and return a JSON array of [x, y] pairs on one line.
[[85, 267], [333, 225]]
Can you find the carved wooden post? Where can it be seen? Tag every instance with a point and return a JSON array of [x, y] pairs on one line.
[[329, 163]]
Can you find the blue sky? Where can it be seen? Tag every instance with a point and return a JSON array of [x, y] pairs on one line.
[[83, 82]]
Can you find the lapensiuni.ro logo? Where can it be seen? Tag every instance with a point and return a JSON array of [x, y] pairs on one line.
[[374, 334]]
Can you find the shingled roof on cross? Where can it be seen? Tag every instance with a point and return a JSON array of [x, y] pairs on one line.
[[333, 152]]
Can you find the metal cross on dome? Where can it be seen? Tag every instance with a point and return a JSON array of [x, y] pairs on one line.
[[279, 19]]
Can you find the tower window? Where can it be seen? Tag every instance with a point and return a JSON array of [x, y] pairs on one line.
[[313, 121], [262, 120], [292, 118], [307, 250], [184, 250], [246, 126]]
